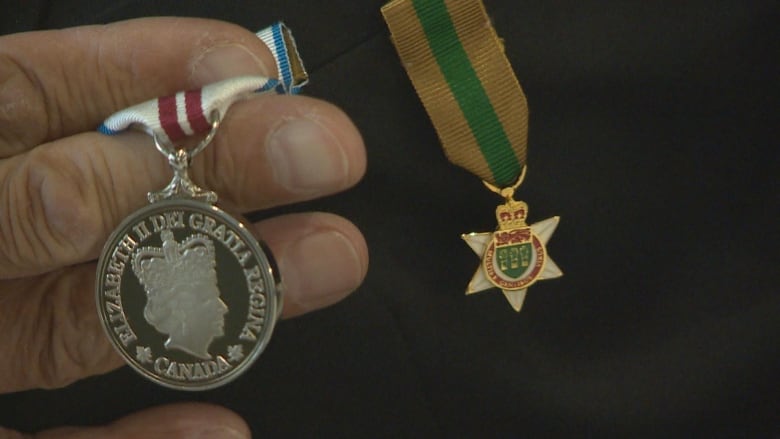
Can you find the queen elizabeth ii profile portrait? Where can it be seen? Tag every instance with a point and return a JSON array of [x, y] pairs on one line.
[[183, 301]]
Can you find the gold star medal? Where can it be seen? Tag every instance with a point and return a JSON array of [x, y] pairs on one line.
[[458, 68], [514, 257]]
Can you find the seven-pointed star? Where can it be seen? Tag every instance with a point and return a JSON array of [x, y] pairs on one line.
[[480, 241]]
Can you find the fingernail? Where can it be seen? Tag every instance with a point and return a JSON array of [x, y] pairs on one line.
[[327, 269], [306, 158], [222, 62]]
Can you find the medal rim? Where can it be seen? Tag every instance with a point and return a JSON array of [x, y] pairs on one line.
[[264, 258]]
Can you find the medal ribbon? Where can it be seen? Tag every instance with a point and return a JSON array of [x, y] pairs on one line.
[[172, 118], [457, 65], [292, 74]]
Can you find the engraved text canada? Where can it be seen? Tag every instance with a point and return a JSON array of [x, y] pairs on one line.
[[187, 294]]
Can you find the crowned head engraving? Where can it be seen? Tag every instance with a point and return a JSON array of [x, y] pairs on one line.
[[183, 301]]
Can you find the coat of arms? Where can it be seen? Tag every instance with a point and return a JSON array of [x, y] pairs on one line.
[[514, 257]]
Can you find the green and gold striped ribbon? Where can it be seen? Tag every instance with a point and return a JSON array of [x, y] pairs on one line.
[[458, 68]]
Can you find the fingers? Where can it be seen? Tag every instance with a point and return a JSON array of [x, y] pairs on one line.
[[322, 258], [61, 200], [53, 336], [53, 333], [186, 420], [61, 82]]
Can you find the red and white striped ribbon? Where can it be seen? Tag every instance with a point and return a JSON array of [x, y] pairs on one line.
[[171, 118]]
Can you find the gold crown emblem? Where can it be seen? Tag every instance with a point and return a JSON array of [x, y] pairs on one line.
[[161, 270], [511, 215]]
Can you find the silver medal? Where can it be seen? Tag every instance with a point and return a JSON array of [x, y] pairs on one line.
[[186, 294]]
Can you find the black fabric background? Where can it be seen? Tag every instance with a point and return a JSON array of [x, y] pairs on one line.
[[653, 135]]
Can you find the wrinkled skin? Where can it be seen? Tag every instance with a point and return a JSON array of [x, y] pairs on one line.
[[64, 187]]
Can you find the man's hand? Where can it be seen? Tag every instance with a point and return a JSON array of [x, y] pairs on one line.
[[64, 187]]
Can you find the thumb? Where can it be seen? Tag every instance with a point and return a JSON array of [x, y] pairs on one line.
[[189, 420]]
